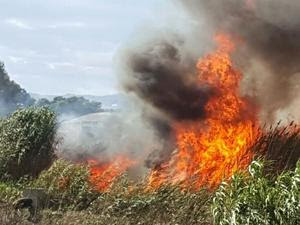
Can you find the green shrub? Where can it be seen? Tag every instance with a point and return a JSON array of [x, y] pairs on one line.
[[67, 185], [27, 139], [9, 192], [257, 199]]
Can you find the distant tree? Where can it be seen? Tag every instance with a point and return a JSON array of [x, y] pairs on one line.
[[12, 96], [76, 106], [43, 102]]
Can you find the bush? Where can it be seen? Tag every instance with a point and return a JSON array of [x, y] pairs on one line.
[[257, 199], [67, 185], [27, 140]]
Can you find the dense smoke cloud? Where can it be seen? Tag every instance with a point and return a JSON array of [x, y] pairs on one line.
[[270, 53], [162, 78], [160, 70], [161, 73]]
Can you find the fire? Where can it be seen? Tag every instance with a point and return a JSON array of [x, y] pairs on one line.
[[103, 175], [214, 149]]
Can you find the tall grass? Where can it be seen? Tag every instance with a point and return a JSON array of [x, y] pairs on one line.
[[281, 145], [27, 139], [251, 199]]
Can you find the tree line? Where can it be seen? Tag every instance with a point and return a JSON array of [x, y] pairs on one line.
[[13, 97]]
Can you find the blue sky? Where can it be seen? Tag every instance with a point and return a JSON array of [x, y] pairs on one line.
[[67, 46]]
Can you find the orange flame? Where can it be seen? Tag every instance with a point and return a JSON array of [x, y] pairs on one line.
[[102, 176], [211, 150]]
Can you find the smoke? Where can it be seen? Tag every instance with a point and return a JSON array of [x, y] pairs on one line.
[[162, 78], [161, 73], [270, 52], [160, 69], [103, 136]]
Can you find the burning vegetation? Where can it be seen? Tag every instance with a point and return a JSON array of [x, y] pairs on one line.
[[207, 150], [207, 113], [103, 175], [214, 149], [210, 150]]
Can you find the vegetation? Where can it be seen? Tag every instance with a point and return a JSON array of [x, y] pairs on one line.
[[259, 199], [281, 146], [12, 96], [27, 140], [250, 198], [73, 106], [69, 189], [267, 194], [67, 185]]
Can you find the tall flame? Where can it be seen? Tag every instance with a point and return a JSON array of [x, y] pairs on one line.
[[214, 149]]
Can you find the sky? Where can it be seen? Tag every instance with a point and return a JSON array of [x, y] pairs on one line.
[[56, 47]]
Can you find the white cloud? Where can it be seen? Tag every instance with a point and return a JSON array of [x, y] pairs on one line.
[[94, 59], [55, 47], [18, 23], [55, 65], [67, 25], [15, 59]]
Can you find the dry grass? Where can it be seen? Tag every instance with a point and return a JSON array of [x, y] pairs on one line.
[[281, 146], [166, 206]]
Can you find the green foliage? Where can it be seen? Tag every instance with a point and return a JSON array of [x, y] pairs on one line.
[[12, 96], [67, 185], [27, 140], [9, 191], [259, 196], [258, 199], [73, 106]]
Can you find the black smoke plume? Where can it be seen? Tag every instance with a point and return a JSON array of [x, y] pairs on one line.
[[160, 77]]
